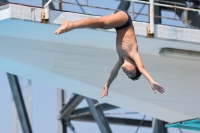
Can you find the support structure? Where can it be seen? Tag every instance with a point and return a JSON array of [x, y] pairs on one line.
[[158, 126], [19, 103], [61, 95], [98, 115], [157, 12], [124, 5], [70, 106], [192, 16], [86, 110], [93, 113], [114, 120]]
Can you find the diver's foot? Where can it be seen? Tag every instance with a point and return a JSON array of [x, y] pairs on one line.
[[65, 27]]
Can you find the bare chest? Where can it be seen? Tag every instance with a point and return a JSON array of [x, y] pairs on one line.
[[123, 50]]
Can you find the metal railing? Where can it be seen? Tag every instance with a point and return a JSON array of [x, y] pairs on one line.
[[138, 1], [165, 5]]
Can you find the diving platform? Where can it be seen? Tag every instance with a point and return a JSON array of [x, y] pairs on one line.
[[79, 61]]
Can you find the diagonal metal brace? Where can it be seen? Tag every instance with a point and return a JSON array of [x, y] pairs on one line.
[[86, 110], [19, 103], [70, 106], [98, 115]]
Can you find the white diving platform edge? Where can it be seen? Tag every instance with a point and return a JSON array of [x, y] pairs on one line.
[[79, 61]]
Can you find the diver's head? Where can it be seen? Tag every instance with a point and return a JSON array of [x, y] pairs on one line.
[[131, 70]]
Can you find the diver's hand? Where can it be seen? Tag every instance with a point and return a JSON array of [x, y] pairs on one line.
[[105, 91], [156, 87], [65, 27]]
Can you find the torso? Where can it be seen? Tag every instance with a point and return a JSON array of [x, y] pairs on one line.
[[126, 42]]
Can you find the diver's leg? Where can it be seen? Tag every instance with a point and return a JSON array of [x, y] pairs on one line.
[[105, 22]]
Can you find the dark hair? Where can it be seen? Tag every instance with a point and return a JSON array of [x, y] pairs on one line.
[[138, 74]]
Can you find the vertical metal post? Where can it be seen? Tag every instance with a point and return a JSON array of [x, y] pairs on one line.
[[124, 5], [61, 96], [157, 12], [19, 103], [132, 9], [158, 126], [98, 115], [150, 27], [46, 10], [151, 16]]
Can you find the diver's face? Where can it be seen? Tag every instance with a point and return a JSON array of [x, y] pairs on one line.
[[129, 69]]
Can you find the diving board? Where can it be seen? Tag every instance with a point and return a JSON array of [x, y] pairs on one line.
[[80, 61], [191, 124]]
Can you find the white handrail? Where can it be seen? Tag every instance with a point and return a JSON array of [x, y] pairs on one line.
[[47, 4]]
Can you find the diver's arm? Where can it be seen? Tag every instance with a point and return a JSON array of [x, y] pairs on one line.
[[136, 57], [113, 74], [155, 86]]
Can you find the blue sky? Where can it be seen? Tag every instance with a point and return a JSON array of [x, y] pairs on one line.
[[45, 96]]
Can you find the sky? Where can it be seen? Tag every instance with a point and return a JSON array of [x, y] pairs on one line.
[[44, 97]]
